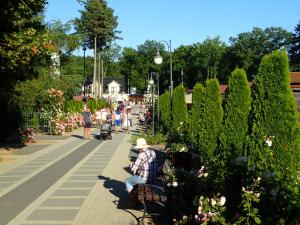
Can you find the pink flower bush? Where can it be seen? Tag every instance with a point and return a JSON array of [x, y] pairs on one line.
[[26, 136]]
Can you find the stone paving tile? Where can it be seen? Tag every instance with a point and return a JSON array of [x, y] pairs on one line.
[[63, 202], [71, 192], [87, 172], [45, 223], [8, 178], [82, 178], [77, 184], [5, 185], [13, 174], [53, 214]]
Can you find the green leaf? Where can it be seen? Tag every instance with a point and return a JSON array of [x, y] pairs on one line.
[[257, 220]]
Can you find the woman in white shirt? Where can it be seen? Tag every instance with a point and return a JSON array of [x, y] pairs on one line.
[[98, 117], [127, 120]]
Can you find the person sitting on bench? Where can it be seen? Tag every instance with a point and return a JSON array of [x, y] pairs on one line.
[[144, 169]]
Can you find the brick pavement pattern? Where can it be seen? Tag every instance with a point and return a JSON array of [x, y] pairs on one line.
[[90, 192]]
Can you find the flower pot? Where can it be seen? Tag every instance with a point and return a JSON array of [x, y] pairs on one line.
[[182, 160]]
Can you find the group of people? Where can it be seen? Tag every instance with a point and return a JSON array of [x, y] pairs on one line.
[[119, 118]]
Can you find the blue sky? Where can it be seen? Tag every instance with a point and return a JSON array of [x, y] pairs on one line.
[[187, 21]]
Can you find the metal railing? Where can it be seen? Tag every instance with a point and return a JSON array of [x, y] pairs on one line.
[[40, 122]]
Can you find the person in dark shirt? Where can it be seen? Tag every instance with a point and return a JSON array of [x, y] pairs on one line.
[[87, 123]]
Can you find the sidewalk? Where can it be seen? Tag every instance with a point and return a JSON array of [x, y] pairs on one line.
[[90, 192]]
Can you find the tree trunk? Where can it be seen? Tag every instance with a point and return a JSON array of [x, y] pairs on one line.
[[95, 69], [99, 77]]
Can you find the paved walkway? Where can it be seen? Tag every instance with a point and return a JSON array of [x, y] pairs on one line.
[[68, 182]]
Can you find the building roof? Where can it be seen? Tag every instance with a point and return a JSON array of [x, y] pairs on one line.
[[108, 80], [295, 77]]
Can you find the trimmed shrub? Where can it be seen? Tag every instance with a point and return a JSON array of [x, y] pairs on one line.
[[164, 110], [236, 115], [275, 140], [179, 109], [211, 122], [275, 115], [196, 114]]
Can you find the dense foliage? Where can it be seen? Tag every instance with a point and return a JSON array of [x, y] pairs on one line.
[[294, 49], [179, 110], [96, 21], [23, 51], [236, 115], [196, 114], [274, 110], [212, 116], [164, 111], [275, 151]]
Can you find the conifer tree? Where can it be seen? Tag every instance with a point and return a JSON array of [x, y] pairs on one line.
[[275, 115], [211, 123], [179, 109], [196, 113], [275, 152], [164, 110], [236, 115]]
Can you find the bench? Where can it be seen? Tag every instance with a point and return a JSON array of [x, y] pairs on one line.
[[150, 193], [155, 194]]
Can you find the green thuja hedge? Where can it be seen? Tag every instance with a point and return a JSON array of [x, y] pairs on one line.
[[179, 109], [275, 119], [211, 122], [274, 112], [196, 114], [236, 115], [164, 110]]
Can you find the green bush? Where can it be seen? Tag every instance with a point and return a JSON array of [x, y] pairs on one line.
[[236, 115], [211, 122], [274, 112], [179, 110], [196, 114], [164, 110], [274, 150], [73, 106]]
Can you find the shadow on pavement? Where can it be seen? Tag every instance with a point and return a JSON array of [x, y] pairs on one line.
[[77, 136], [117, 188]]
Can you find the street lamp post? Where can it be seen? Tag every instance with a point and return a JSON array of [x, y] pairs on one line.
[[84, 49], [157, 80], [151, 83], [158, 60]]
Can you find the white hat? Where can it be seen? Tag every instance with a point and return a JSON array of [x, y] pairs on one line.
[[141, 143]]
